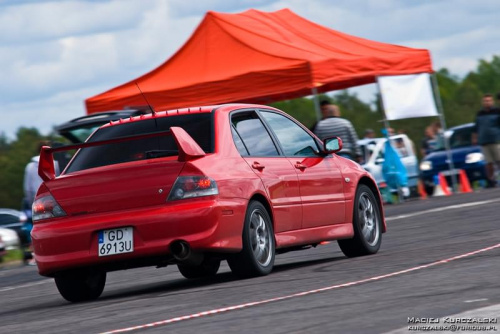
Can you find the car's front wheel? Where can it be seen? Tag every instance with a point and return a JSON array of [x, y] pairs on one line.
[[366, 223], [78, 286], [257, 256]]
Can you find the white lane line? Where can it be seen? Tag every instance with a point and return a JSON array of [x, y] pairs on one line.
[[444, 208], [476, 300], [14, 287], [300, 294]]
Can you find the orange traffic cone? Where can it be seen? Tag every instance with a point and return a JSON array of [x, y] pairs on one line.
[[464, 182], [444, 184], [421, 190], [438, 189]]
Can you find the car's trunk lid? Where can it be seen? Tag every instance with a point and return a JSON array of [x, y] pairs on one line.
[[117, 187]]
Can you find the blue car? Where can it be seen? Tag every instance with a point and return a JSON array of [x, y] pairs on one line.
[[465, 156]]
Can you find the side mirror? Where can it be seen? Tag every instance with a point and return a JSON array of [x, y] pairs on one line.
[[332, 145]]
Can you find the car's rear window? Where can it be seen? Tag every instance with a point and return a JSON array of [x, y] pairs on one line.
[[198, 126]]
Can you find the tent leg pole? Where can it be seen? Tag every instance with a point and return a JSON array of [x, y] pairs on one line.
[[316, 104], [451, 166]]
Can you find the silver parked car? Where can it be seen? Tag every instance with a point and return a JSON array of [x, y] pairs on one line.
[[373, 157], [15, 220], [9, 238]]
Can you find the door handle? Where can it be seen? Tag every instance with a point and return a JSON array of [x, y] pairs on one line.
[[258, 166], [300, 166]]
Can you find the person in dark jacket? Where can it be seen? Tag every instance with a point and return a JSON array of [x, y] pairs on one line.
[[333, 125], [487, 135]]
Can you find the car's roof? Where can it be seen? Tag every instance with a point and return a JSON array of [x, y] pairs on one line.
[[369, 140], [462, 126], [186, 111], [10, 212], [99, 118], [377, 140]]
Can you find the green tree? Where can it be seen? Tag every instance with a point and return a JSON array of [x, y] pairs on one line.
[[487, 76], [14, 157]]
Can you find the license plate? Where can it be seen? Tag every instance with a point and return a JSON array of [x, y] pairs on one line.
[[116, 241], [452, 172]]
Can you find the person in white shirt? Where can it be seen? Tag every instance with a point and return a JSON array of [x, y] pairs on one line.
[[32, 180]]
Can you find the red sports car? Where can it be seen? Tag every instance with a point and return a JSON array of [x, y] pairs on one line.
[[193, 187]]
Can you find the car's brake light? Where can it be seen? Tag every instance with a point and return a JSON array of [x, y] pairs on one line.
[[46, 207], [193, 186]]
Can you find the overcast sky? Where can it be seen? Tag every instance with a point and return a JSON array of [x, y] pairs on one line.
[[54, 54]]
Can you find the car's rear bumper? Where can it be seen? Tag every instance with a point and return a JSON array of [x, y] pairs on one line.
[[206, 224]]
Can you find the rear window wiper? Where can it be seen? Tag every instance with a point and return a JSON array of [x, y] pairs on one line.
[[160, 153]]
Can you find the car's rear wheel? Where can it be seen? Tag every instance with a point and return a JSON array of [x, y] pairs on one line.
[[366, 223], [207, 268], [78, 286], [257, 255]]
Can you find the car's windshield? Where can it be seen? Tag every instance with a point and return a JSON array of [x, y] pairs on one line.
[[459, 138], [198, 126], [367, 151]]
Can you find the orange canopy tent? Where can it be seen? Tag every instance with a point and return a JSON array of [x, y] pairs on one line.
[[261, 57]]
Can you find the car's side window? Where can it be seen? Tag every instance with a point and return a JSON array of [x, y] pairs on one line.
[[254, 135], [294, 140], [6, 219], [239, 143]]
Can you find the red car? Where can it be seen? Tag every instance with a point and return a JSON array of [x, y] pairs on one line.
[[193, 187]]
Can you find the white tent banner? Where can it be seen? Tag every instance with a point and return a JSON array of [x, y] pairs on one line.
[[407, 96]]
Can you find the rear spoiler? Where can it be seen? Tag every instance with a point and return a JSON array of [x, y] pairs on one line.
[[188, 149]]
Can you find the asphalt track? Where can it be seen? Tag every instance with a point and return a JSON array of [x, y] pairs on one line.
[[440, 257]]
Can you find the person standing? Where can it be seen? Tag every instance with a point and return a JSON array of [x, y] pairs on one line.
[[429, 142], [369, 134], [332, 125], [32, 182], [486, 133]]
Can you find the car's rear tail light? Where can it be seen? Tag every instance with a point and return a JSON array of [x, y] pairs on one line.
[[193, 186], [46, 207]]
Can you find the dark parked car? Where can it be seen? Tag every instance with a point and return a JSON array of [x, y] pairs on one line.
[[465, 156], [79, 129]]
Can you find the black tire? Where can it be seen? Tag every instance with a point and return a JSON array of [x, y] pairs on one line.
[[367, 225], [414, 192], [257, 255], [209, 267], [79, 286], [429, 190]]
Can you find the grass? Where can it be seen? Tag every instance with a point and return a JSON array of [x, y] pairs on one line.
[[13, 255]]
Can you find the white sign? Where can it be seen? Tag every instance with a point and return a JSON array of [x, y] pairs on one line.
[[407, 96]]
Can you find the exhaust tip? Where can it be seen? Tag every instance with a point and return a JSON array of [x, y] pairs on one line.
[[180, 250]]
